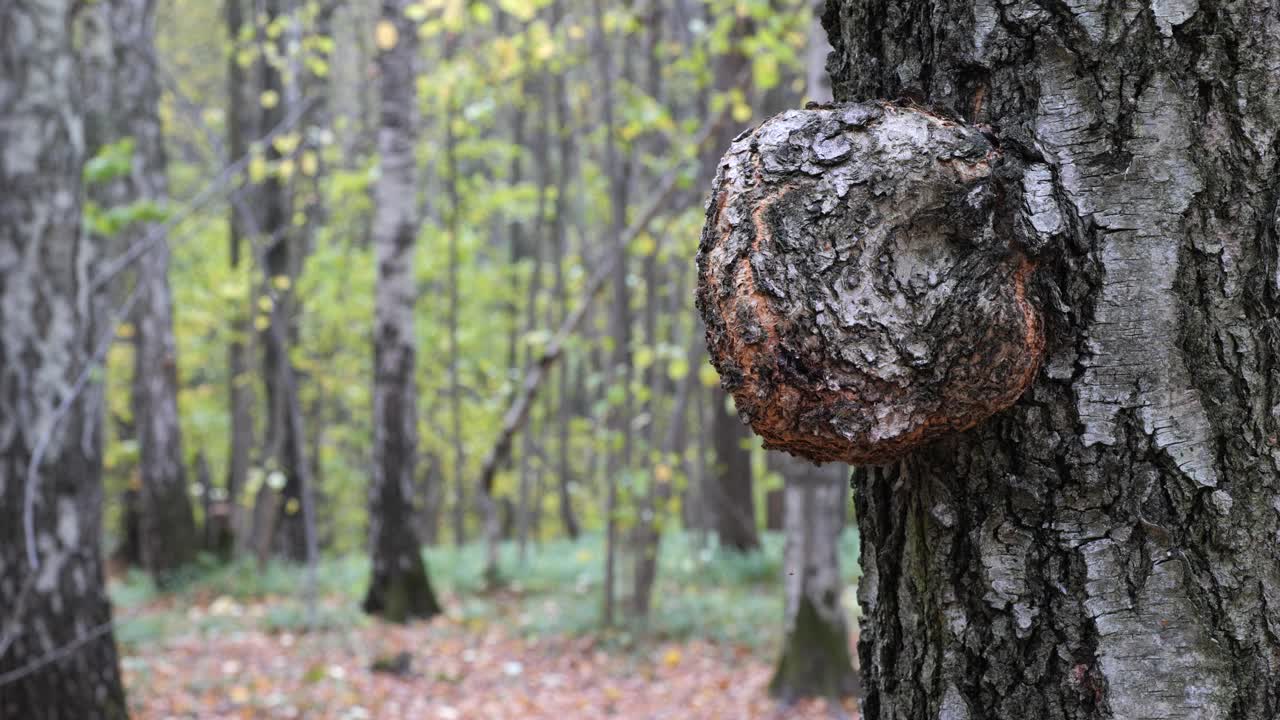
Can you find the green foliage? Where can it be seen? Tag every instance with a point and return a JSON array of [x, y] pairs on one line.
[[484, 68], [113, 161]]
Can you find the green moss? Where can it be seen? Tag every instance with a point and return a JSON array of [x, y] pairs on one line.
[[815, 659]]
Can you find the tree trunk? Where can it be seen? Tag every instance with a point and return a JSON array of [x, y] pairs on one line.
[[400, 589], [57, 652], [815, 658], [1105, 548], [619, 374], [240, 397], [168, 531], [560, 249], [727, 490], [284, 531]]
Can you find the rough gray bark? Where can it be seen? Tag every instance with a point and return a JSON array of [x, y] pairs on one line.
[[168, 531], [1106, 547], [58, 614], [399, 589], [815, 660]]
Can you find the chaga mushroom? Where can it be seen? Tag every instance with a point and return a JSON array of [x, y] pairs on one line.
[[862, 285]]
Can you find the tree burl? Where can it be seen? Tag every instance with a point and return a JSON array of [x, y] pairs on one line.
[[863, 275]]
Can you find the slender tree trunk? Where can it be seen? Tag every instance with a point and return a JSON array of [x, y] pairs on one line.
[[1105, 548], [240, 396], [57, 652], [285, 530], [646, 535], [728, 490], [559, 239], [619, 459], [400, 589], [530, 476], [487, 506], [168, 531]]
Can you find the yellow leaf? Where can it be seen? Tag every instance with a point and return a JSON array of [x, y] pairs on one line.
[[240, 695], [265, 304], [269, 99], [285, 169], [416, 12], [291, 507], [281, 282], [662, 473], [644, 245], [286, 142], [262, 322], [310, 165], [125, 331], [385, 35], [576, 32], [257, 169], [671, 658]]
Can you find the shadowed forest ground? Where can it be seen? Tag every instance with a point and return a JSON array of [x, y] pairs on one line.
[[232, 642]]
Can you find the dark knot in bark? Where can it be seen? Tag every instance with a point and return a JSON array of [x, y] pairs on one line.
[[860, 281]]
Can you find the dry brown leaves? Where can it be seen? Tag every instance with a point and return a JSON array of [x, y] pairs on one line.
[[457, 672]]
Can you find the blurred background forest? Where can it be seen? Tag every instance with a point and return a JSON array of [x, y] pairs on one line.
[[405, 281]]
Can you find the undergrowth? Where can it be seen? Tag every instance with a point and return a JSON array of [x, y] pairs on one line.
[[703, 592]]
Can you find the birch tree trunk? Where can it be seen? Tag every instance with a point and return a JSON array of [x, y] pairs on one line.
[[400, 589], [168, 531], [57, 653], [815, 659], [1107, 548]]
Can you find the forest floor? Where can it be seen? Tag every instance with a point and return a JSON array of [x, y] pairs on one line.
[[231, 645]]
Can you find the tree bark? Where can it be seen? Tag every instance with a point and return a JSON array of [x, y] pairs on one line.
[[1105, 548], [284, 530], [57, 653], [400, 589], [168, 531], [727, 489], [815, 660], [239, 393], [618, 458], [560, 249]]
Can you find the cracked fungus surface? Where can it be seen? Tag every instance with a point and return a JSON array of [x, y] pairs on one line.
[[860, 289]]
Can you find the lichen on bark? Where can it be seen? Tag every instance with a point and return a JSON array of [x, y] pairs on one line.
[[864, 283]]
